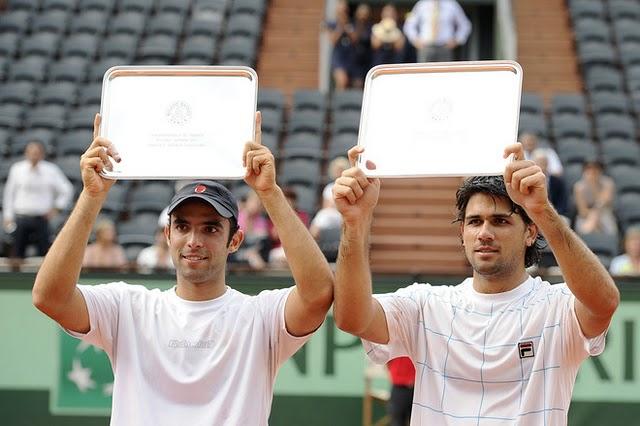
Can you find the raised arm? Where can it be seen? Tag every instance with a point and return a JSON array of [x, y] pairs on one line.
[[597, 296], [354, 309], [55, 292], [310, 300]]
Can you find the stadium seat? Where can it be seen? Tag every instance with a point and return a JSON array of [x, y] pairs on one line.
[[80, 45], [74, 142], [346, 122], [307, 122], [5, 141], [604, 79], [586, 9], [533, 123], [120, 47], [626, 30], [9, 44], [65, 5], [178, 7], [628, 209], [244, 25], [57, 93], [32, 69], [630, 54], [15, 22], [615, 126], [566, 126], [300, 171], [159, 48], [26, 5], [252, 7], [346, 100], [270, 140], [4, 65], [198, 47], [303, 145], [81, 118], [72, 69], [206, 23], [616, 152], [624, 9], [271, 122], [40, 44], [168, 24], [11, 116], [90, 94], [140, 225], [106, 6], [626, 178], [131, 22], [17, 92], [46, 116], [340, 144], [568, 103], [140, 6], [592, 30], [55, 21], [575, 151], [241, 50], [115, 204], [309, 99], [91, 22], [607, 102], [150, 197], [595, 54], [307, 198], [271, 99]]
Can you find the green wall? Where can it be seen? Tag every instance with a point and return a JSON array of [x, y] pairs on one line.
[[321, 385]]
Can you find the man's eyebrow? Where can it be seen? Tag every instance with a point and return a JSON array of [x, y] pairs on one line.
[[493, 216]]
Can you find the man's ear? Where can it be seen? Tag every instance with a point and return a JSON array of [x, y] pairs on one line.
[[532, 234], [167, 233], [236, 241]]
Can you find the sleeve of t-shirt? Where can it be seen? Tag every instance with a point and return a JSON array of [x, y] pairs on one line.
[[103, 303], [402, 310], [577, 346], [282, 344]]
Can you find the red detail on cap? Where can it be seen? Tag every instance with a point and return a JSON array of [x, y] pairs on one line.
[[200, 189]]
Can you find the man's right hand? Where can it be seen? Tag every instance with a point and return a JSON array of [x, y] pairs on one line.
[[356, 195], [95, 160]]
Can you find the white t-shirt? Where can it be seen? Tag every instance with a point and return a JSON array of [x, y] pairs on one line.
[[491, 359], [179, 362]]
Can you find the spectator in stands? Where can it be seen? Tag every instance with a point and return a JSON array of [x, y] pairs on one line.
[[501, 308], [256, 244], [105, 252], [35, 192], [343, 38], [387, 41], [362, 44], [594, 195], [157, 256], [199, 352], [327, 217], [277, 256], [334, 169], [556, 188], [530, 143], [403, 376], [628, 263], [435, 28]]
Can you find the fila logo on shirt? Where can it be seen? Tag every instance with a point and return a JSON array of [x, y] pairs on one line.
[[525, 349]]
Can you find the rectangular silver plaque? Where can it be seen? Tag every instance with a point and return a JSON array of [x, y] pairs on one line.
[[178, 122], [439, 119]]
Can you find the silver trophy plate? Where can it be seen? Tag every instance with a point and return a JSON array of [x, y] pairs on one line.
[[178, 122], [439, 119]]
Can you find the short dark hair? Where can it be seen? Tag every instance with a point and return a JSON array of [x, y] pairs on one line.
[[494, 187]]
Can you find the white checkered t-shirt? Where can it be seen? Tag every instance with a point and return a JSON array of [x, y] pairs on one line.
[[487, 359]]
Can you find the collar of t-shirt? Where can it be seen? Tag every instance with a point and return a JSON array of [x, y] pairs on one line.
[[494, 298], [200, 304]]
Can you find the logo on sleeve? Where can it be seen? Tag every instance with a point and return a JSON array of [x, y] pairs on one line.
[[525, 349]]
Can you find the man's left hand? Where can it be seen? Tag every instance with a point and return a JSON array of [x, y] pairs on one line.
[[525, 182], [259, 162]]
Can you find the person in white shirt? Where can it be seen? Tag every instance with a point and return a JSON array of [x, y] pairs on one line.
[[157, 256], [501, 347], [199, 353], [435, 28], [35, 192], [531, 145]]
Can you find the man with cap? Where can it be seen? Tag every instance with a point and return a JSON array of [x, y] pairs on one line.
[[199, 352]]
